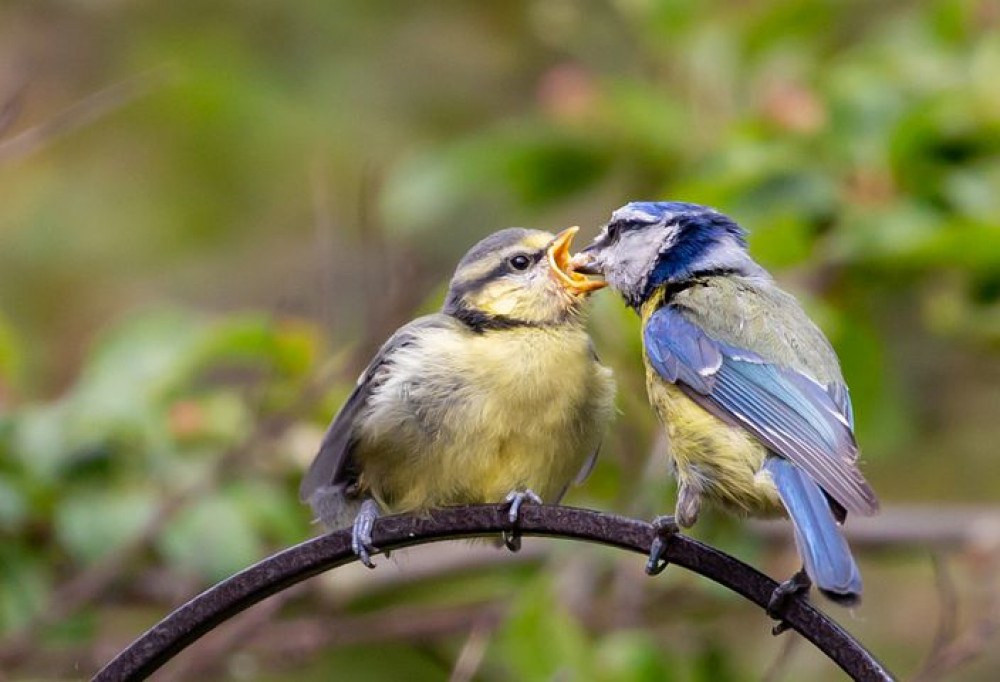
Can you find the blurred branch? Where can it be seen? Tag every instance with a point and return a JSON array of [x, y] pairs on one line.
[[974, 529], [960, 650], [10, 109], [302, 636], [783, 659], [284, 643], [948, 597], [79, 115], [471, 655], [214, 649], [935, 527], [950, 649], [213, 607]]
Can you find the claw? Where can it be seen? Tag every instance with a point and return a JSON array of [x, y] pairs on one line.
[[665, 527], [361, 533], [782, 596], [780, 627], [516, 498]]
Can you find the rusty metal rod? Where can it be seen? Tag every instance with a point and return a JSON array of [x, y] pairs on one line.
[[223, 601]]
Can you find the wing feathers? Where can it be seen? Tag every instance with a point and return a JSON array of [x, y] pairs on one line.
[[793, 415], [336, 444], [334, 465]]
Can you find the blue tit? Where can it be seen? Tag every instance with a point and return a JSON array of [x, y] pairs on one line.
[[748, 388], [498, 396]]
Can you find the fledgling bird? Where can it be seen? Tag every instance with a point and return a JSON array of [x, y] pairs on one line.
[[749, 389], [500, 396]]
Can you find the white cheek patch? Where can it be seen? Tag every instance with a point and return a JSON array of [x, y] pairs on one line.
[[638, 253], [633, 257], [503, 306]]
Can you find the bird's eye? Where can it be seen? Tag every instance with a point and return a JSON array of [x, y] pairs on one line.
[[614, 229], [520, 262]]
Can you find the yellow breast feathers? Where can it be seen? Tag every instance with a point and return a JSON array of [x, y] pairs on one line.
[[506, 409]]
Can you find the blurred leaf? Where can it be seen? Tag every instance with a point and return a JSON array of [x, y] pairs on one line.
[[533, 164], [11, 357], [273, 513], [883, 420], [713, 664], [213, 539], [892, 236], [24, 585], [133, 366], [633, 656], [376, 663], [540, 640], [220, 418], [13, 506], [784, 241], [92, 524], [39, 440]]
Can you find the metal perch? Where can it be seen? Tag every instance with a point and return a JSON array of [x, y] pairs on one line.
[[219, 603]]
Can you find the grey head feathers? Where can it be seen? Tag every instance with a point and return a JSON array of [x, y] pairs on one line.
[[500, 241], [489, 260], [501, 283], [648, 244]]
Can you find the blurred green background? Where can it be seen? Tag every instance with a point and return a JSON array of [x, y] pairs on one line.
[[212, 213]]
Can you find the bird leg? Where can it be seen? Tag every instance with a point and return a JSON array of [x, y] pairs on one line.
[[361, 533], [514, 500], [782, 597], [664, 527], [688, 506]]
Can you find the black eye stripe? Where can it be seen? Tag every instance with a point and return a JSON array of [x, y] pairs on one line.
[[615, 229], [531, 256], [500, 270]]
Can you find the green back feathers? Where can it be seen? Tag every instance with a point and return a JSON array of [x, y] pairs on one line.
[[758, 316]]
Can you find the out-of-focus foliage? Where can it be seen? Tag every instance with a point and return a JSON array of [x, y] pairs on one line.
[[162, 401], [167, 167]]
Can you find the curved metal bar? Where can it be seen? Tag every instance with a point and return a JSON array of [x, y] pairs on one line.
[[217, 604]]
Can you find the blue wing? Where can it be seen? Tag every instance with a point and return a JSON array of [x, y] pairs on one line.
[[792, 414]]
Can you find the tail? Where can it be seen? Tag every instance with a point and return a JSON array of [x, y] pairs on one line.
[[824, 551]]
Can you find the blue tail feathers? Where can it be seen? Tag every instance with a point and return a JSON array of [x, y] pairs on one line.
[[824, 551]]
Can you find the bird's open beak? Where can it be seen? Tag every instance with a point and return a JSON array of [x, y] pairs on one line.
[[562, 265]]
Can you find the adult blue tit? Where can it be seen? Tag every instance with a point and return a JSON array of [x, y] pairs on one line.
[[499, 396], [749, 389]]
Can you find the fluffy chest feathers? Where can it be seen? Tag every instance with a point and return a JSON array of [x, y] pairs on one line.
[[720, 462], [529, 373], [464, 417]]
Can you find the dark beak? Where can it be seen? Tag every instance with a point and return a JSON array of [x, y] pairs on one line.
[[585, 262]]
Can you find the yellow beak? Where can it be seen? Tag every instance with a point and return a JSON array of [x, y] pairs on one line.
[[562, 269]]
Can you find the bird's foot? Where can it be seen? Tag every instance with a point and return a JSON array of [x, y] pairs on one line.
[[782, 597], [665, 528], [514, 500], [361, 533]]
